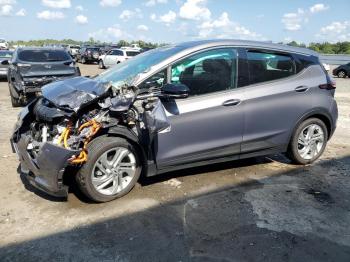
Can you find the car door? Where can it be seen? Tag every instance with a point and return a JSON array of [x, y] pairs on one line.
[[107, 61], [275, 100], [209, 124]]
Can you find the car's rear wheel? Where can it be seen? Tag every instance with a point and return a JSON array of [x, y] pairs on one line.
[[308, 141], [100, 64], [83, 60], [111, 171], [341, 74]]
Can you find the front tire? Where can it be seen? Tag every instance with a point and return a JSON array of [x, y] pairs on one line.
[[16, 102], [111, 171], [308, 141], [341, 74], [83, 60]]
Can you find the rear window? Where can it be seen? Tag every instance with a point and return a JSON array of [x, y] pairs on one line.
[[264, 66], [93, 49], [7, 54], [131, 53], [43, 55]]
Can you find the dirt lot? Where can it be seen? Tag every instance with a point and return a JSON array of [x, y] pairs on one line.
[[260, 209]]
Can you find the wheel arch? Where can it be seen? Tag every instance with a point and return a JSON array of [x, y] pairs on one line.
[[321, 114], [124, 132]]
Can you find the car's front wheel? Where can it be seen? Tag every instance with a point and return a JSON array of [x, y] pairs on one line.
[[341, 74], [111, 171], [83, 60], [308, 141], [16, 102]]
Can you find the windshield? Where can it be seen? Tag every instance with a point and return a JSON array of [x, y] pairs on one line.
[[125, 72], [7, 54], [43, 55]]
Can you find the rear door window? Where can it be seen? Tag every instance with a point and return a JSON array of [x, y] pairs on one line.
[[131, 53], [43, 55], [269, 66]]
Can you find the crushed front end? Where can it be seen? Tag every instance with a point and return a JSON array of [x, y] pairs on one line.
[[54, 131]]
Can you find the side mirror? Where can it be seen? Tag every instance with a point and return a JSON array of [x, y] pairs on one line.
[[5, 62], [175, 90]]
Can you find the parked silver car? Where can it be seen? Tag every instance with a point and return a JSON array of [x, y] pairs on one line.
[[245, 99], [5, 56]]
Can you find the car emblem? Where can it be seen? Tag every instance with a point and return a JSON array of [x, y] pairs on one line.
[[47, 66]]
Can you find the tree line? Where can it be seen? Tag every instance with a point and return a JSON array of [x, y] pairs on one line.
[[91, 41], [324, 48]]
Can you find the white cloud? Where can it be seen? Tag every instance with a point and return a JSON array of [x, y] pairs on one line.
[[318, 8], [128, 14], [154, 2], [294, 21], [167, 18], [6, 10], [142, 28], [336, 31], [223, 27], [7, 2], [195, 10], [59, 4], [50, 15], [81, 19], [21, 12], [112, 3], [110, 34], [79, 8]]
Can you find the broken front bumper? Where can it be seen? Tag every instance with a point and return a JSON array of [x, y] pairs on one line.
[[45, 170]]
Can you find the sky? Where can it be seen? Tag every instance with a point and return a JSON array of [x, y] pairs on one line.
[[171, 21]]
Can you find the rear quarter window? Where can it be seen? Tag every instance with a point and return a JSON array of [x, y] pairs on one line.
[[269, 66], [131, 53], [43, 55]]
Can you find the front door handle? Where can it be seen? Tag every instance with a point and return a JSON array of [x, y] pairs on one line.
[[301, 89], [231, 102]]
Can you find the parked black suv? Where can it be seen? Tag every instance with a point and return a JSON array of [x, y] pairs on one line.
[[31, 68], [88, 55], [342, 71]]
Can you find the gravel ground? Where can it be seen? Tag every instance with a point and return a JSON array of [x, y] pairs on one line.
[[260, 209]]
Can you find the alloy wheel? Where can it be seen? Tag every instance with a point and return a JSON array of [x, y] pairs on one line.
[[113, 171], [310, 141], [341, 74]]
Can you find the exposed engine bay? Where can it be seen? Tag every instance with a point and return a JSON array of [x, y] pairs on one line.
[[72, 113]]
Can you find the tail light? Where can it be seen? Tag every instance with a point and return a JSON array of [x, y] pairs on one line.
[[330, 84]]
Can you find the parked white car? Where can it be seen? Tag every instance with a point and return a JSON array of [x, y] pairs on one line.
[[4, 44], [116, 56]]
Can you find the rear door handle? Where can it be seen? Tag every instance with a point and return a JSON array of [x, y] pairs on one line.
[[301, 89], [231, 102]]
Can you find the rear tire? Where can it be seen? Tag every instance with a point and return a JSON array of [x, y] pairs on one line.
[[341, 74], [99, 169], [83, 61], [308, 141]]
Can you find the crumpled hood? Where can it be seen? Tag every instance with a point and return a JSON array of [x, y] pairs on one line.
[[74, 93]]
